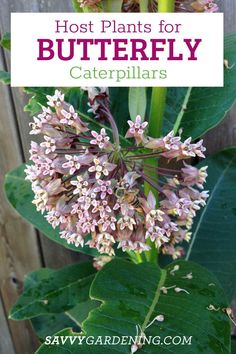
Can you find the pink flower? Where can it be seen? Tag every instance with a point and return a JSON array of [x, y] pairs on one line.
[[126, 222], [104, 187], [136, 129], [49, 144], [156, 234], [102, 139], [72, 163], [101, 167]]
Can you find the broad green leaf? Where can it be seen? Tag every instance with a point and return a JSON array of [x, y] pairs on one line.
[[55, 292], [213, 242], [5, 77], [47, 325], [6, 41], [80, 312], [139, 299], [58, 347], [20, 195], [133, 295], [207, 106], [137, 102]]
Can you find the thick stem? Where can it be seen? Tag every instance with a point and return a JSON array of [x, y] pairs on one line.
[[166, 5], [156, 116], [143, 4], [157, 109]]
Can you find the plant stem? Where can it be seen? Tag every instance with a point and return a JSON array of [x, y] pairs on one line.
[[136, 257], [158, 101], [143, 4], [156, 116], [182, 111], [166, 5], [157, 110]]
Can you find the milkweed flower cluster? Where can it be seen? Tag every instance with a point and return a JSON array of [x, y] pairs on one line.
[[91, 187]]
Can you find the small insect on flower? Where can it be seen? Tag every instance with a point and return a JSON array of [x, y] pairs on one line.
[[91, 187]]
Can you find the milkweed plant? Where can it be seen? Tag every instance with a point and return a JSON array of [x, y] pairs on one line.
[[122, 175]]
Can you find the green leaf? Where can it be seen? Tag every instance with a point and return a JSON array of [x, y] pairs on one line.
[[174, 101], [6, 41], [207, 106], [213, 242], [33, 107], [38, 98], [20, 195], [63, 348], [139, 299], [47, 325], [119, 107], [5, 77], [54, 291], [76, 97], [137, 102], [133, 295]]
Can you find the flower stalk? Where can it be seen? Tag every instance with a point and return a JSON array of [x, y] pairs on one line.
[[166, 5], [156, 116], [143, 4]]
